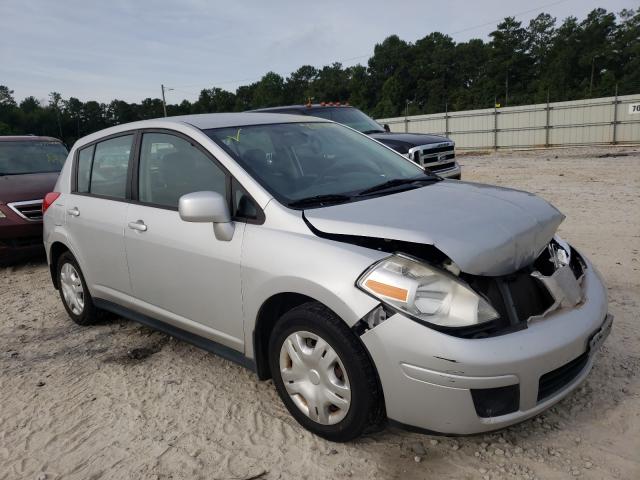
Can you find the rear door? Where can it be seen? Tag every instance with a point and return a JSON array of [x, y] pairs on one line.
[[96, 211], [180, 272]]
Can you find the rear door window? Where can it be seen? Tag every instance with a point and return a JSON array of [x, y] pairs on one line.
[[110, 166]]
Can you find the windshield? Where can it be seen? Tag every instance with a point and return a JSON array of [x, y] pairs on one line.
[[295, 161], [17, 158], [349, 116]]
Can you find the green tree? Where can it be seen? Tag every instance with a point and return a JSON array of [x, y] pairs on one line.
[[269, 91], [509, 66], [214, 100], [297, 86], [627, 45], [6, 97]]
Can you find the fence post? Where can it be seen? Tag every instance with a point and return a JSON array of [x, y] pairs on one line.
[[547, 126], [495, 124], [615, 117], [446, 120]]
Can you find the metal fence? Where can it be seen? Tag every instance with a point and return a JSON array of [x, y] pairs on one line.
[[596, 121]]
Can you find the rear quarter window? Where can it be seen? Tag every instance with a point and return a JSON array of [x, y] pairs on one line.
[[85, 159]]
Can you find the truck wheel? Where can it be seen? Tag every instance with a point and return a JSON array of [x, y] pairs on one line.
[[323, 373]]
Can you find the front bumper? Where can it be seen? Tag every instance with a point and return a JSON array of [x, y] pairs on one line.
[[428, 377], [453, 172], [19, 238]]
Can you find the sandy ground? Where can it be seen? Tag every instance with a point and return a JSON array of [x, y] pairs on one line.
[[118, 400]]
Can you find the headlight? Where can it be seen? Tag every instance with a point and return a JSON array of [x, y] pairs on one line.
[[425, 293], [2, 215]]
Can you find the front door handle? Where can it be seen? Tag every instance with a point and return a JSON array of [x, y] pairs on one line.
[[139, 226], [74, 212]]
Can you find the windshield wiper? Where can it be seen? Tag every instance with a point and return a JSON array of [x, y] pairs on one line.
[[396, 182], [367, 132], [320, 200]]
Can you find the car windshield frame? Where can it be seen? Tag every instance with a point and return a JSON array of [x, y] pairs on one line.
[[384, 163], [334, 114], [29, 160]]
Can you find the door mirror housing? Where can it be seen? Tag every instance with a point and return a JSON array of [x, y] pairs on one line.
[[386, 128], [207, 207]]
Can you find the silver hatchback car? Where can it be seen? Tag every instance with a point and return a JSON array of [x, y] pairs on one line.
[[369, 289]]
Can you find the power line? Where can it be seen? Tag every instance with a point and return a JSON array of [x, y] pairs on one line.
[[492, 22]]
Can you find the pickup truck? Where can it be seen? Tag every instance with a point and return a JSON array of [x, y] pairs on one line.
[[435, 152]]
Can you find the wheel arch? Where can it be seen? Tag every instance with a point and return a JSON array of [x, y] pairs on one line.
[[56, 250], [268, 314]]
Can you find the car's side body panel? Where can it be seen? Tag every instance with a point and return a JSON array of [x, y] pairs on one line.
[[99, 222], [278, 259], [181, 268]]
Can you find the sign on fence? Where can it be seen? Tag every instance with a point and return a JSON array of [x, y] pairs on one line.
[[634, 108]]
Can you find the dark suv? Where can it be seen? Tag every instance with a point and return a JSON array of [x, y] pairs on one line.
[[29, 168], [431, 151]]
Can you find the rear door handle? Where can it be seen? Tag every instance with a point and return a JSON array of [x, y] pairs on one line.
[[139, 226], [74, 212]]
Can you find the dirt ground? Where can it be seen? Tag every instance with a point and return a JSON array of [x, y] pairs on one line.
[[120, 401]]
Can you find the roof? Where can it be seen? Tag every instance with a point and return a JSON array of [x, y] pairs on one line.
[[202, 121], [28, 138], [221, 120], [313, 106]]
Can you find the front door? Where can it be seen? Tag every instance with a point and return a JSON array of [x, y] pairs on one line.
[[180, 273]]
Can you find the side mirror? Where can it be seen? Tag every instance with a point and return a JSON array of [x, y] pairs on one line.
[[207, 207], [386, 128]]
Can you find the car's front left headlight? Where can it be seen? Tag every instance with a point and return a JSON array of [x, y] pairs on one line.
[[425, 293]]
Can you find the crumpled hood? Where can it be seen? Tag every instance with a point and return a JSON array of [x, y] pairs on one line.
[[485, 230]]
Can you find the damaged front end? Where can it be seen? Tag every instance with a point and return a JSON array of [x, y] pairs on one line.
[[552, 281], [498, 243], [508, 302]]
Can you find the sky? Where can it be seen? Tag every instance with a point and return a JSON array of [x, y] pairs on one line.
[[125, 49]]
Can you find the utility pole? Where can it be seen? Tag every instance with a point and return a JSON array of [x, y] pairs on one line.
[[164, 103]]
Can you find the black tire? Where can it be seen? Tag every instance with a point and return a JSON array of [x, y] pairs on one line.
[[366, 409], [89, 314]]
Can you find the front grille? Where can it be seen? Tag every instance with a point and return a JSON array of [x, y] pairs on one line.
[[30, 210], [516, 298], [557, 379], [429, 151], [441, 166], [426, 156]]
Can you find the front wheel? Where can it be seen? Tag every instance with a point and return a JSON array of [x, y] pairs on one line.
[[323, 373]]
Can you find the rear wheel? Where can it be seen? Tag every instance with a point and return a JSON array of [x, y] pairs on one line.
[[323, 374], [73, 290]]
